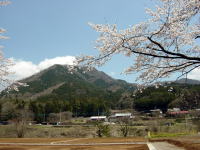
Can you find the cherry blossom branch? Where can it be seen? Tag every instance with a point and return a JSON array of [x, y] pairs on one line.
[[160, 46], [181, 56], [149, 54], [188, 71]]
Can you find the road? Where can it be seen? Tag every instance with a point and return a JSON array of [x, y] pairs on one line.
[[162, 146]]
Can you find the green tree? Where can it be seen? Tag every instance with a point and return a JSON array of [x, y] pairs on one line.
[[102, 129]]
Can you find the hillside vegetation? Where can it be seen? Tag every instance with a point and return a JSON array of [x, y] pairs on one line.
[[56, 90]]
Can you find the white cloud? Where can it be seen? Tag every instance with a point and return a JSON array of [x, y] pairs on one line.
[[195, 74], [65, 60], [112, 73], [23, 69]]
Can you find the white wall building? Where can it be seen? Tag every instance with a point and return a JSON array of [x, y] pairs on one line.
[[98, 118]]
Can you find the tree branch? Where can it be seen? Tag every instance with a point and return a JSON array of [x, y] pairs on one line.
[[181, 56], [197, 37], [148, 54]]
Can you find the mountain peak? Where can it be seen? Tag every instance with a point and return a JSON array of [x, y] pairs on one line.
[[57, 81]]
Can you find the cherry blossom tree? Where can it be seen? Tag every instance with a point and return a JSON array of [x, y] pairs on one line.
[[4, 3], [5, 63], [164, 44]]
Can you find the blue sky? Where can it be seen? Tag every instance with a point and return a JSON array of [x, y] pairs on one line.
[[41, 30], [49, 28]]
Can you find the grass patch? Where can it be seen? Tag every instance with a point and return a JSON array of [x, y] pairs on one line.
[[161, 135]]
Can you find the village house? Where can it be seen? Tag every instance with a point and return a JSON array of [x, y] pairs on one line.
[[176, 112], [119, 116], [98, 118]]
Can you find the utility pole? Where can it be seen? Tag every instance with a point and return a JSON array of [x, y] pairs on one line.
[[60, 116], [44, 117]]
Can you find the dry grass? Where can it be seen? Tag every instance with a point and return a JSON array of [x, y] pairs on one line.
[[36, 131]]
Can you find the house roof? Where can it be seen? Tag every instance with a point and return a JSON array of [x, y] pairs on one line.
[[178, 112], [122, 114], [98, 117]]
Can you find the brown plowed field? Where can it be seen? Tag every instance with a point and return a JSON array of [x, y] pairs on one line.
[[187, 142], [113, 147], [72, 141]]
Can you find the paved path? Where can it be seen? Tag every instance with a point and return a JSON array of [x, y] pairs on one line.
[[162, 146]]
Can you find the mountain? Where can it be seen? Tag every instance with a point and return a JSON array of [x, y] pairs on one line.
[[56, 90], [57, 82], [188, 81], [183, 94]]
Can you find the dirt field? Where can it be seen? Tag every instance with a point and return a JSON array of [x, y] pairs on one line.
[[187, 142], [119, 147], [53, 141], [105, 140], [71, 140], [32, 140]]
